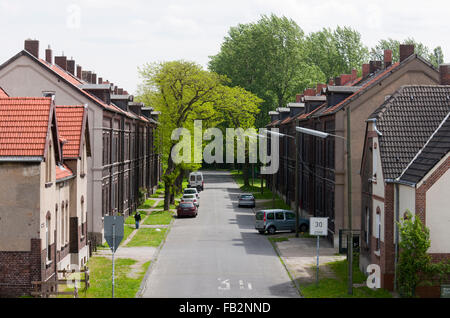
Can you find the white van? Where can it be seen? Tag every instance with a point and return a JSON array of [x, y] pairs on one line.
[[196, 180]]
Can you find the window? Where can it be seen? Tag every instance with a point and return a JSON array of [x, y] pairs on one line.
[[270, 216], [63, 232], [378, 228], [47, 237], [82, 216], [48, 171], [279, 215], [366, 232], [67, 222], [290, 216]]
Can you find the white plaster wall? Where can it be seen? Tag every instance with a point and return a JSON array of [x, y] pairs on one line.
[[438, 214]]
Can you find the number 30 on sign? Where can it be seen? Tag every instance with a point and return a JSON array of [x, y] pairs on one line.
[[318, 226]]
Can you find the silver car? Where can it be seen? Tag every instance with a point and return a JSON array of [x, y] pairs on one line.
[[190, 198], [246, 199], [278, 220]]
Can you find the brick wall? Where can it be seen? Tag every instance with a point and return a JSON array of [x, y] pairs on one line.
[[19, 269]]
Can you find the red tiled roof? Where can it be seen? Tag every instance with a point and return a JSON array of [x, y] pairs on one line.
[[304, 116], [70, 127], [375, 79], [3, 93], [24, 125], [62, 171]]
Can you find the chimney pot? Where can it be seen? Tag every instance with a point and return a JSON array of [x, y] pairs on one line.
[[94, 78], [115, 90], [444, 74], [32, 46], [387, 58], [120, 91], [79, 71], [100, 80], [61, 61], [337, 81], [49, 55], [354, 74], [71, 66], [406, 50], [365, 70], [310, 92]]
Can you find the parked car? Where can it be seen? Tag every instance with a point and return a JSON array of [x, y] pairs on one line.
[[196, 180], [187, 209], [192, 191], [278, 220], [246, 199], [190, 198]]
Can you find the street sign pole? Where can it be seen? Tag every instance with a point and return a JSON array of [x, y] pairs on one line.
[[317, 272], [318, 227], [113, 249]]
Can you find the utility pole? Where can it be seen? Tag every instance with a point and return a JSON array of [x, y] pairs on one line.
[[349, 204], [297, 222]]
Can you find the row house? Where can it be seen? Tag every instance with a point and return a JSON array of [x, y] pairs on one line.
[[406, 167], [322, 174], [124, 158], [43, 190]]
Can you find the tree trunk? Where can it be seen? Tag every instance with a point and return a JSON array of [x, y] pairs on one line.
[[245, 174]]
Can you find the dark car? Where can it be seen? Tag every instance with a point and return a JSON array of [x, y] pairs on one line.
[[278, 220], [246, 199], [187, 209]]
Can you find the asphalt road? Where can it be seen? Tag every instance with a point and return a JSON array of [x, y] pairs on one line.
[[219, 253]]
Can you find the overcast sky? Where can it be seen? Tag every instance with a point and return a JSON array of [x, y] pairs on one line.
[[114, 37]]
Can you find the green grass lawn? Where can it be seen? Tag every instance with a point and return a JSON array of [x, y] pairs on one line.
[[159, 217], [337, 288], [148, 204], [101, 280], [255, 189], [127, 230], [147, 237]]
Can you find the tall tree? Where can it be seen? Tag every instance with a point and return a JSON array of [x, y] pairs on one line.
[[266, 59], [335, 52]]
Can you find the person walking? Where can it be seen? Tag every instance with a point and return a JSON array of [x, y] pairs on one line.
[[137, 218]]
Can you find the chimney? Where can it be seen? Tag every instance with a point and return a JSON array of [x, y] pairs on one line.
[[331, 82], [115, 90], [94, 78], [61, 61], [32, 46], [274, 116], [354, 74], [100, 80], [120, 91], [79, 71], [387, 58], [71, 66], [345, 78], [298, 98], [444, 72], [310, 92], [406, 50], [337, 81], [365, 70], [319, 88], [374, 66], [49, 55]]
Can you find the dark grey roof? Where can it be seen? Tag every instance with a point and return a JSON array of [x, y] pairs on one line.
[[406, 121], [436, 148]]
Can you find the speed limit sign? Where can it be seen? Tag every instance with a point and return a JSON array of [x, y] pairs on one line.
[[318, 226]]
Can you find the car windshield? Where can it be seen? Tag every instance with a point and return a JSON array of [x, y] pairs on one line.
[[199, 178], [247, 197], [190, 191], [188, 196], [186, 205], [192, 178]]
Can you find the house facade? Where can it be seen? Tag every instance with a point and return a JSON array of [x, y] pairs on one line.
[[42, 190], [405, 168], [124, 158], [322, 162]]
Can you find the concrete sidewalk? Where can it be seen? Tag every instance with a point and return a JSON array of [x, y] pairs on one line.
[[300, 257]]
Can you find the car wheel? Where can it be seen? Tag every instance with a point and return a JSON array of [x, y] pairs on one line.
[[271, 230], [303, 228]]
